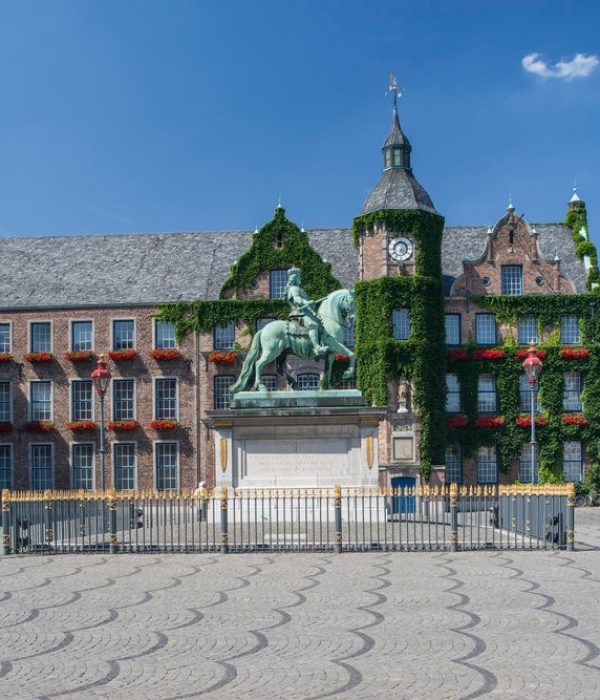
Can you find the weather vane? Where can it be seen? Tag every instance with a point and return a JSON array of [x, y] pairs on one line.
[[394, 89]]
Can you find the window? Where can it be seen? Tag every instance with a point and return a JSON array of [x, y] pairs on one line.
[[401, 324], [124, 465], [224, 336], [388, 158], [525, 396], [349, 383], [569, 330], [82, 335], [123, 335], [349, 336], [166, 461], [262, 322], [123, 399], [165, 406], [222, 393], [82, 463], [452, 329], [277, 283], [6, 471], [5, 403], [81, 400], [41, 467], [528, 330], [486, 394], [164, 334], [525, 465], [453, 465], [41, 337], [572, 386], [487, 467], [512, 280], [40, 400], [485, 329], [4, 337], [452, 394], [308, 381], [572, 463], [270, 381]]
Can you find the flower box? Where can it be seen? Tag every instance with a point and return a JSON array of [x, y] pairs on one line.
[[5, 357], [39, 426], [489, 422], [489, 354], [80, 356], [458, 422], [118, 355], [123, 425], [165, 354], [457, 354], [81, 426], [342, 358], [39, 357], [524, 421], [522, 353], [164, 424], [574, 353], [573, 419], [222, 358], [6, 427]]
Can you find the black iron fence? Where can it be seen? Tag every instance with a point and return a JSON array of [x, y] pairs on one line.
[[426, 518]]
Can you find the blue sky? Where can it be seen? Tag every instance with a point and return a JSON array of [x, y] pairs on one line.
[[181, 115]]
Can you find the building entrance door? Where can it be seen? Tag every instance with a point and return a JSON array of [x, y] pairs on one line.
[[403, 503]]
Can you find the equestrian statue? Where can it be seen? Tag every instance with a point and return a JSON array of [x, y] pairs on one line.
[[314, 329]]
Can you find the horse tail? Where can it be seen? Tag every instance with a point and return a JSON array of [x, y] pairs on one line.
[[244, 380]]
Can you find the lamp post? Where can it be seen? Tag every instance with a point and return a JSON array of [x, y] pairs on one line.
[[532, 365], [101, 378]]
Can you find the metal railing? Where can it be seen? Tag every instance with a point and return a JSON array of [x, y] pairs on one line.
[[448, 518]]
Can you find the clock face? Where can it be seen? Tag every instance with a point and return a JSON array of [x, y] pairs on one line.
[[400, 249]]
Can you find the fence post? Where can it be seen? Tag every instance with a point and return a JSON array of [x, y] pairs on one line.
[[224, 533], [5, 522], [111, 502], [571, 517], [453, 517], [48, 531], [337, 504]]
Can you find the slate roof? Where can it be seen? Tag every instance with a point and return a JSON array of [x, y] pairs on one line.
[[397, 189], [147, 268]]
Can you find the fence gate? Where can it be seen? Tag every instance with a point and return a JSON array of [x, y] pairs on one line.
[[305, 520]]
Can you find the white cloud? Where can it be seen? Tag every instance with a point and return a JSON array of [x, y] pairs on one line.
[[579, 67]]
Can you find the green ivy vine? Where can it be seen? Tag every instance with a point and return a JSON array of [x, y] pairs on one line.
[[576, 219]]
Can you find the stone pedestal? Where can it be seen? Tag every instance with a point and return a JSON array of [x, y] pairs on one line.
[[296, 439]]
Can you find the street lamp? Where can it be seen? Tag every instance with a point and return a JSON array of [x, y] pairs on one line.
[[101, 378], [532, 366]]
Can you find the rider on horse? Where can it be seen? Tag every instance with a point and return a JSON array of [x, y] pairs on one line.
[[303, 311]]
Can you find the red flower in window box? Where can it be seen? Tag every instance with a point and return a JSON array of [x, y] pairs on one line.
[[123, 425], [489, 422], [522, 353], [39, 357], [80, 356], [524, 421], [457, 354], [489, 354], [458, 422], [5, 357], [342, 358], [574, 353], [39, 426], [164, 354], [81, 426], [573, 419], [118, 355], [222, 358], [6, 427], [164, 424]]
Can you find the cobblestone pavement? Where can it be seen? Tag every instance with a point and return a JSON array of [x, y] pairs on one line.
[[404, 625]]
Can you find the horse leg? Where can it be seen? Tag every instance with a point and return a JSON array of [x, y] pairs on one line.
[[327, 370], [338, 347]]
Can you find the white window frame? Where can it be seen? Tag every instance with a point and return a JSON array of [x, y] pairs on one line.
[[135, 461], [30, 402], [459, 318], [155, 335], [223, 408], [112, 331], [73, 380], [81, 320], [155, 381], [493, 391], [30, 338], [112, 398], [487, 447], [535, 335], [277, 269], [52, 460], [408, 322], [220, 325], [10, 399], [460, 462], [10, 335], [581, 456], [12, 462], [579, 392], [72, 469], [155, 465], [453, 393]]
